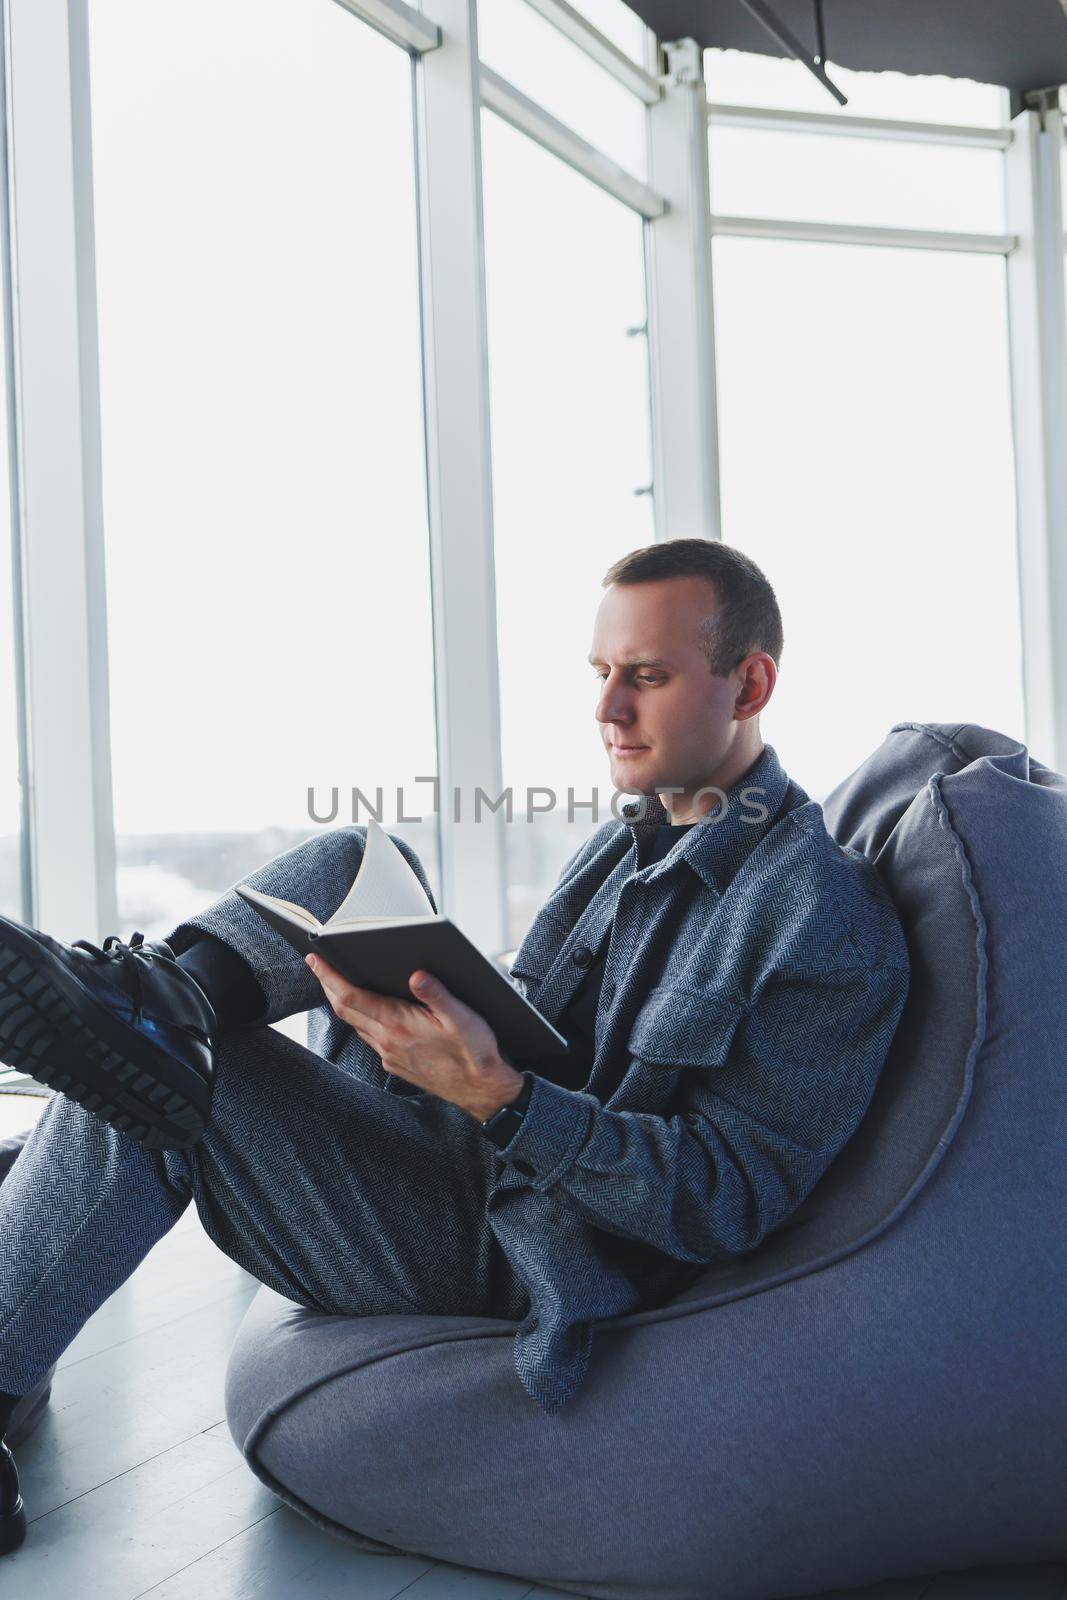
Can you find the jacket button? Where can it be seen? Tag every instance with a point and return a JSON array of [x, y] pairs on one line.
[[581, 955]]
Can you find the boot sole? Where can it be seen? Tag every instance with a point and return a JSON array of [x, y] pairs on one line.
[[12, 1529], [54, 1030]]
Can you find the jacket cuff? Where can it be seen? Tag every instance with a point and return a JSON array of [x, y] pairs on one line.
[[551, 1133]]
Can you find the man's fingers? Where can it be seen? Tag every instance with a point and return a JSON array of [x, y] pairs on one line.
[[374, 1006]]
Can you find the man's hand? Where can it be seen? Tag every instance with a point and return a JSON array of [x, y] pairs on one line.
[[435, 1041]]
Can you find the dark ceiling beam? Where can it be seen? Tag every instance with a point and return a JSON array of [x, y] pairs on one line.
[[1020, 44]]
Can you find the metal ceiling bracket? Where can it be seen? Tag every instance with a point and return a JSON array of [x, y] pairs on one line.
[[789, 41]]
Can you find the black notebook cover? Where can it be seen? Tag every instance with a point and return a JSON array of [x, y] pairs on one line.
[[382, 958]]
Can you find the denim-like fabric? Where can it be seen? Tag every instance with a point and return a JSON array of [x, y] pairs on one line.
[[298, 1179], [753, 982], [577, 1021]]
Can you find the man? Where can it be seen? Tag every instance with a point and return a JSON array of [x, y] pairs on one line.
[[728, 976]]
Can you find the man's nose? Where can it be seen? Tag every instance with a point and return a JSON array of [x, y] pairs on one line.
[[614, 705]]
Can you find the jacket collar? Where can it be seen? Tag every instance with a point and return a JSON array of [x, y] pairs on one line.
[[717, 847]]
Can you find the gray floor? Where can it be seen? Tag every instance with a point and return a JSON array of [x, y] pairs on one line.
[[135, 1489]]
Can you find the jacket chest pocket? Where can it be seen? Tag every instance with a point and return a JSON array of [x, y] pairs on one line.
[[678, 1027]]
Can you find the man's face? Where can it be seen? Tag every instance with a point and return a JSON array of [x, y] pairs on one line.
[[656, 688]]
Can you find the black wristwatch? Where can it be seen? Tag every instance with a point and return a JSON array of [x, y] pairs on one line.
[[502, 1126]]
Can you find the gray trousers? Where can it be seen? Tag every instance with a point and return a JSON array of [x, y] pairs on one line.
[[312, 1175]]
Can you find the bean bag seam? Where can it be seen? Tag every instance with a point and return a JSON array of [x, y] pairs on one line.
[[295, 1503], [946, 741], [274, 1413]]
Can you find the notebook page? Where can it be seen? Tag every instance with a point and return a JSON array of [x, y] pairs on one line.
[[385, 885]]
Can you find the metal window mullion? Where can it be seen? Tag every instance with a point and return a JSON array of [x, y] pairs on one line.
[[559, 140], [685, 445], [447, 101], [397, 21], [599, 48], [998, 244], [17, 654], [57, 458], [1037, 317], [770, 120]]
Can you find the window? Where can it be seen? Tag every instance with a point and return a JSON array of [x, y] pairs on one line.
[[11, 888], [756, 172], [867, 467], [264, 491], [834, 176], [864, 411], [519, 44], [570, 430], [615, 20], [10, 792], [11, 885]]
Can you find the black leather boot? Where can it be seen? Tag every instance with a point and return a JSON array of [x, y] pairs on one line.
[[12, 1510], [124, 1030], [19, 1416]]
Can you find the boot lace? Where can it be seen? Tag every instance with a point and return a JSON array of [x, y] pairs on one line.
[[116, 949]]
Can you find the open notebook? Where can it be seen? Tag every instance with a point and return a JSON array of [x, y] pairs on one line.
[[385, 929]]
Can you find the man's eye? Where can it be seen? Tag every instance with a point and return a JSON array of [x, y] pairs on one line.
[[642, 677]]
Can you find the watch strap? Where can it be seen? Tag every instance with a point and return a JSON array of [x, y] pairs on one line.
[[502, 1126]]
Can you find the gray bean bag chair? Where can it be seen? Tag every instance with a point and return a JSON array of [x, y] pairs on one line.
[[878, 1392]]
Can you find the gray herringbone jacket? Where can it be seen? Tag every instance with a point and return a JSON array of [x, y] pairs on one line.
[[754, 980]]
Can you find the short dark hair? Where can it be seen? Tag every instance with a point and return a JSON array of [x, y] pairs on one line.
[[748, 617]]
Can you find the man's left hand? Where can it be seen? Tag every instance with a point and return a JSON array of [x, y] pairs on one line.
[[434, 1041]]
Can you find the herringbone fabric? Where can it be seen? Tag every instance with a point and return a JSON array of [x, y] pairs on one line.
[[337, 1194], [753, 981]]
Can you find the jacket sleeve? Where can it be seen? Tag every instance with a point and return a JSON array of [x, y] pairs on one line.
[[764, 1107]]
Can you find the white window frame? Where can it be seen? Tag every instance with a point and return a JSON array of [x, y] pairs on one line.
[[58, 525], [1033, 249], [1037, 320]]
